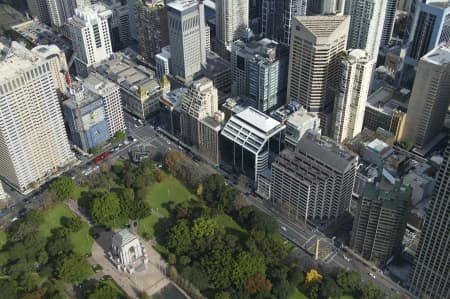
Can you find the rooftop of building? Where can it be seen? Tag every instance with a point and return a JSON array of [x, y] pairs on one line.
[[236, 104], [212, 123], [39, 33], [441, 4], [393, 196], [322, 26], [87, 97], [387, 99], [261, 49], [215, 65], [379, 146], [130, 76], [174, 97], [15, 59], [84, 15], [357, 55], [10, 16], [439, 55], [251, 129], [283, 112], [326, 150], [123, 237], [181, 5], [301, 117]]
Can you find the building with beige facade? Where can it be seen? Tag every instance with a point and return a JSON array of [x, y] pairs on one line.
[[33, 139], [430, 97], [318, 44]]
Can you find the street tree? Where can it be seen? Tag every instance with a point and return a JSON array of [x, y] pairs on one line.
[[63, 188]]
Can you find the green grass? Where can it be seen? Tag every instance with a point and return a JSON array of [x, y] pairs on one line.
[[228, 223], [78, 191], [170, 189], [2, 239], [298, 295], [81, 240], [147, 225]]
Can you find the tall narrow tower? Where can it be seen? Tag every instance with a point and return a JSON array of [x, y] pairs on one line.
[[317, 48], [187, 37], [430, 276], [231, 23], [350, 102]]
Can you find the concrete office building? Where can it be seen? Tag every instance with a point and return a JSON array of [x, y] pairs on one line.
[[187, 38], [231, 23], [248, 142], [430, 97], [389, 22], [162, 62], [314, 180], [39, 9], [60, 11], [153, 31], [326, 7], [119, 24], [33, 139], [298, 124], [317, 48], [430, 276], [111, 97], [350, 102], [200, 120], [139, 88], [276, 18], [381, 220], [427, 28], [58, 64], [170, 111], [90, 36], [84, 114], [366, 25], [259, 72]]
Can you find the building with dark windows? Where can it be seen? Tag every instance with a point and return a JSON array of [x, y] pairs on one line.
[[381, 220], [430, 276], [314, 180], [248, 140]]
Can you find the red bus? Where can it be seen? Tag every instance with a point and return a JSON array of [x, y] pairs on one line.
[[101, 157]]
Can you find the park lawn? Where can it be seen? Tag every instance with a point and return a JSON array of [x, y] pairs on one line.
[[298, 295], [228, 223], [146, 227], [78, 191], [169, 190], [81, 240]]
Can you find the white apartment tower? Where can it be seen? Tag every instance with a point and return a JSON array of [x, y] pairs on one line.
[[430, 97], [318, 44], [90, 36], [366, 25], [110, 94], [350, 102], [187, 38], [58, 64], [231, 22], [33, 139]]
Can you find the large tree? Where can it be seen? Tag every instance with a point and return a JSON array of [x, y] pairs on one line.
[[73, 268], [246, 266], [63, 188], [349, 281], [179, 238], [106, 209]]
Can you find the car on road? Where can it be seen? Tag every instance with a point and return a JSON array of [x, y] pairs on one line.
[[347, 258], [14, 219], [283, 228], [372, 275]]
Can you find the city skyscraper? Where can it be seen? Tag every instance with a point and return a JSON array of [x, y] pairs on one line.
[[153, 33], [187, 38], [90, 36], [231, 23], [39, 9], [259, 71], [350, 102], [430, 275], [366, 25], [318, 46], [430, 98], [389, 21], [277, 18], [381, 220], [32, 133], [314, 180]]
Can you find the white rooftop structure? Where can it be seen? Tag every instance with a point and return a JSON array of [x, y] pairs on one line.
[[439, 55], [378, 146]]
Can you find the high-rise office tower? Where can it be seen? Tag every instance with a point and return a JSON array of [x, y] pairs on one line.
[[187, 38], [60, 11], [277, 18], [314, 180], [318, 46], [427, 27], [366, 25], [90, 36], [389, 21], [350, 102], [231, 23], [326, 7], [430, 98], [153, 33], [39, 9], [381, 220], [32, 134], [109, 92], [255, 15], [259, 70], [430, 276], [119, 24]]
